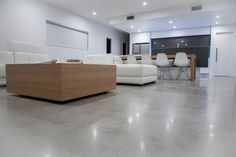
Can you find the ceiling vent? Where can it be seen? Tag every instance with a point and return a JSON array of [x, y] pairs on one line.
[[196, 8], [131, 17]]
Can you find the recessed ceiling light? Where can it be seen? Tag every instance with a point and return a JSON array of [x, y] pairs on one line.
[[174, 27], [132, 27], [144, 3], [94, 13], [217, 23], [139, 30], [170, 22], [217, 16]]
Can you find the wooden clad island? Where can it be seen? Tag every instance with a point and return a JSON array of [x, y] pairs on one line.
[[60, 82]]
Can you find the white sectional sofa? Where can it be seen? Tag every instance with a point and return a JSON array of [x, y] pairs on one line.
[[18, 58], [27, 57], [126, 73]]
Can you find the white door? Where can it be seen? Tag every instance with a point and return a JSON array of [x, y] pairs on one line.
[[225, 54]]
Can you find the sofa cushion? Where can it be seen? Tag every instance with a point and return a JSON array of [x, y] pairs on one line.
[[98, 59], [5, 58], [136, 70], [26, 57]]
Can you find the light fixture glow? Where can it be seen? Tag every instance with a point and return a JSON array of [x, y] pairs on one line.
[[174, 27], [142, 145], [130, 120], [167, 126], [217, 16], [94, 13], [170, 22], [211, 135], [132, 27], [137, 114], [94, 132], [47, 155], [217, 23], [144, 3]]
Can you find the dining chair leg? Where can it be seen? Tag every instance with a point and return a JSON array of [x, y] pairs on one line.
[[160, 72], [187, 73], [178, 74], [169, 73]]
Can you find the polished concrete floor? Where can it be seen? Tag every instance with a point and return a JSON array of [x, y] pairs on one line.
[[165, 119]]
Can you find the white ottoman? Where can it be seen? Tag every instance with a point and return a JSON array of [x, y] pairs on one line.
[[136, 73]]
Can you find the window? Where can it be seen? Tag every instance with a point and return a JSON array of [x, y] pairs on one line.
[[62, 36]]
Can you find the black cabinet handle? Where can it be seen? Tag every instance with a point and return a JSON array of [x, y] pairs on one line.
[[216, 54]]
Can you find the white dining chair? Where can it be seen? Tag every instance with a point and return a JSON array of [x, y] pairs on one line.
[[164, 65], [146, 59], [182, 62], [118, 60], [131, 59]]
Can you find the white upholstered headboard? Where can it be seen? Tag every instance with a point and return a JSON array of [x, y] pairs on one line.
[[26, 47]]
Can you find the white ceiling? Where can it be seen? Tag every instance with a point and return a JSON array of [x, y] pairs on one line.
[[194, 20], [117, 10]]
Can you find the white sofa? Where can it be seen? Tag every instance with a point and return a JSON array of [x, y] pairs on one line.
[[126, 73], [5, 58], [27, 57], [18, 58], [136, 73]]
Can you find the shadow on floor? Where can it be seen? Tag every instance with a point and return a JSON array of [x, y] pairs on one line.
[[82, 100]]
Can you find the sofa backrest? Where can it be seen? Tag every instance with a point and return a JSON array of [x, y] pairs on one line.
[[27, 57], [26, 47], [98, 59], [5, 58]]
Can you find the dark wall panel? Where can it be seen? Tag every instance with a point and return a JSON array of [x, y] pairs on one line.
[[199, 45]]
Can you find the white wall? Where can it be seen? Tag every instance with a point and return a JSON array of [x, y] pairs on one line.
[[25, 21], [183, 32], [139, 38]]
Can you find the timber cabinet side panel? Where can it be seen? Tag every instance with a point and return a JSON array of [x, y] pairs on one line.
[[35, 80], [84, 80]]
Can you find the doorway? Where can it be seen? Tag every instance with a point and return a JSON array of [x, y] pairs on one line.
[[224, 54], [124, 49], [109, 46]]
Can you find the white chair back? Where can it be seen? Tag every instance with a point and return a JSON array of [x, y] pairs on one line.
[[162, 60], [131, 59], [118, 60], [105, 59], [181, 59], [146, 59]]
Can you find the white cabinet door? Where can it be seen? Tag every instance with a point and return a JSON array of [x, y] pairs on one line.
[[225, 54]]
